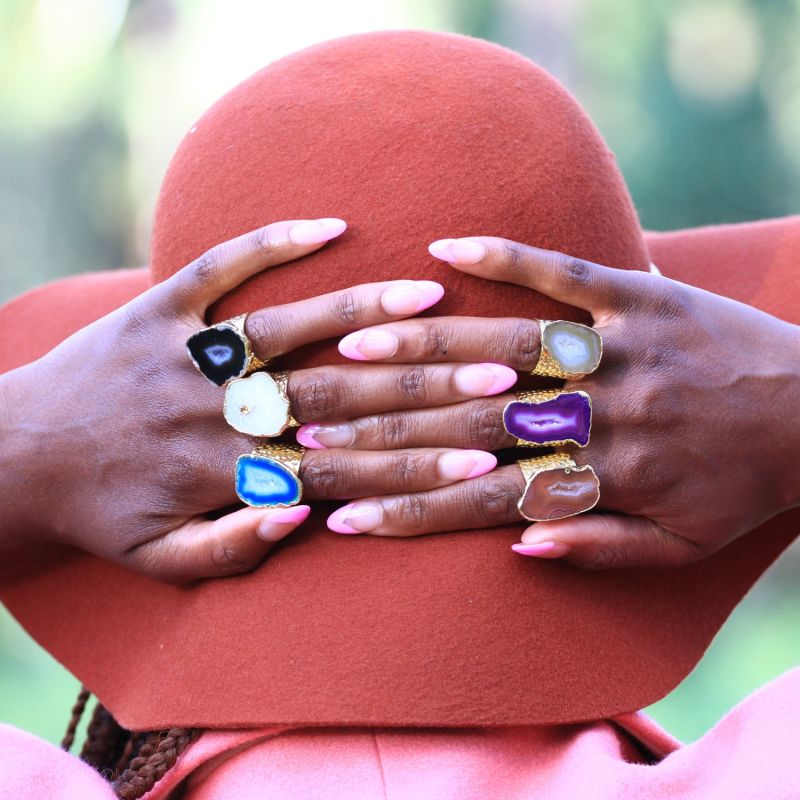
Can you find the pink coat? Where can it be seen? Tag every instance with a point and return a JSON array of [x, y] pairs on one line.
[[752, 753]]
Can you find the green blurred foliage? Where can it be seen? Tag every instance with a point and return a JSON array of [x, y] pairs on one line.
[[699, 100]]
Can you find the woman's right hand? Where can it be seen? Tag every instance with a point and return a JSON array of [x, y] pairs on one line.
[[115, 444]]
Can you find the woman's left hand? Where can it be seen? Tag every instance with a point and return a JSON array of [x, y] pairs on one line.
[[694, 437]]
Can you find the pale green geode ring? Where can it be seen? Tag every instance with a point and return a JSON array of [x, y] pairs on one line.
[[568, 350]]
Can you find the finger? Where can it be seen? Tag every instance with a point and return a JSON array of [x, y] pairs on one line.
[[607, 541], [338, 474], [470, 424], [202, 548], [513, 342], [223, 267], [280, 329], [480, 503], [475, 423], [349, 391], [580, 283]]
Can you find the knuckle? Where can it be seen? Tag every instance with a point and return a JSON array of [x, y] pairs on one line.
[[205, 270], [495, 498], [265, 329], [317, 398], [228, 559], [649, 406], [486, 429], [392, 430], [576, 273], [435, 341], [262, 241], [408, 468], [324, 476], [513, 257], [346, 308], [523, 345], [412, 511], [412, 385]]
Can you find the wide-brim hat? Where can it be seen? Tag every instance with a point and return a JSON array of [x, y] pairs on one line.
[[410, 137]]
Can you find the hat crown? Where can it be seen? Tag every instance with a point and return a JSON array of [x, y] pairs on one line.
[[410, 136]]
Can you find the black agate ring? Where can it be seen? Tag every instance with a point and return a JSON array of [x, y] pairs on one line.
[[223, 351]]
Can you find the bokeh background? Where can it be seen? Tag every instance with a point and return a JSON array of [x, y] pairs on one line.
[[700, 100]]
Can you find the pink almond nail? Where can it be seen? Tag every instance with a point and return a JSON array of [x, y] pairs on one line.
[[321, 437], [281, 516], [411, 298], [356, 518], [484, 380], [316, 231], [465, 464], [542, 549], [369, 345], [458, 251]]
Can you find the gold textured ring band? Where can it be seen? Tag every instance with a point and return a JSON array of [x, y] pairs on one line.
[[549, 418], [567, 350], [269, 477], [223, 352], [556, 487], [282, 382], [258, 405]]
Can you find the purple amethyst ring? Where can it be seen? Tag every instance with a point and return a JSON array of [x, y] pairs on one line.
[[549, 418]]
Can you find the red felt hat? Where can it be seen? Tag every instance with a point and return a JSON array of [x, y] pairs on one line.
[[410, 137]]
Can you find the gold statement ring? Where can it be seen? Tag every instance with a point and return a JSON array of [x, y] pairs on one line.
[[224, 352], [259, 405], [567, 350], [550, 418], [269, 477], [556, 487]]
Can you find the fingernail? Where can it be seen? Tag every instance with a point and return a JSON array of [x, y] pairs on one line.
[[368, 345], [281, 516], [356, 518], [411, 297], [320, 437], [316, 231], [458, 251], [463, 464], [482, 380], [542, 549]]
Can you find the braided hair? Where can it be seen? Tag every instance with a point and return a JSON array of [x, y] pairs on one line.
[[133, 762]]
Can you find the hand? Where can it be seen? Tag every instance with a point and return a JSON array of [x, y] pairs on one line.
[[115, 444], [694, 436]]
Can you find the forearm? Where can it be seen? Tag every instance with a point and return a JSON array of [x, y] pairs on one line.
[[788, 419], [20, 490]]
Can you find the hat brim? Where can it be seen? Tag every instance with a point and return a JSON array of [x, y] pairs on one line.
[[357, 630]]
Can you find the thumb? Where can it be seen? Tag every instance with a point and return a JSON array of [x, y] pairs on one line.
[[203, 548], [607, 541]]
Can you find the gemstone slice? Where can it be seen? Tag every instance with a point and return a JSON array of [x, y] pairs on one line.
[[266, 483], [559, 493], [256, 406], [564, 418], [576, 348], [219, 353]]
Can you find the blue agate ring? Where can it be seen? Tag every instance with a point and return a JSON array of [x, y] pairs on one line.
[[269, 476]]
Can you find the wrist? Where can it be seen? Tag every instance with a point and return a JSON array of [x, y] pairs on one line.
[[789, 447], [21, 501]]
